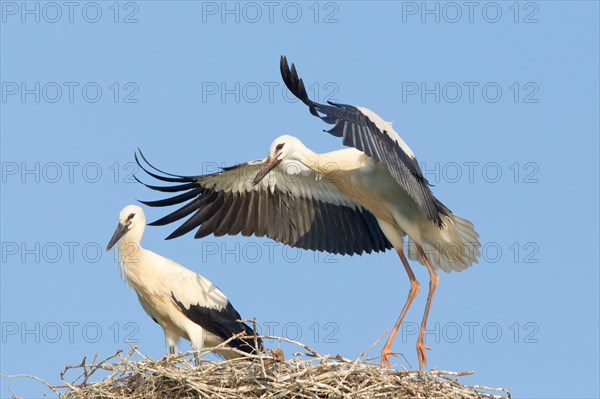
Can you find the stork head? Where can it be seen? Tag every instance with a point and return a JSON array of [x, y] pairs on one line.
[[283, 147], [131, 222]]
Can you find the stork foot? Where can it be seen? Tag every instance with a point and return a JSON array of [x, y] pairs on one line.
[[385, 356], [421, 354]]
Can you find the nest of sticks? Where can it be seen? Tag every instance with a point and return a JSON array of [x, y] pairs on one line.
[[307, 375]]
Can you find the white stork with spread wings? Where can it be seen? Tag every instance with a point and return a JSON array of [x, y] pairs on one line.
[[350, 201]]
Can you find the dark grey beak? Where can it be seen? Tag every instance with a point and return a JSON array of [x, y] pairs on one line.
[[264, 170], [119, 232]]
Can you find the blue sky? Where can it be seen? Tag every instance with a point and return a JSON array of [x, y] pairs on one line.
[[498, 100]]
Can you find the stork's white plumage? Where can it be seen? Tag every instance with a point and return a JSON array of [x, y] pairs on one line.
[[182, 302], [350, 201]]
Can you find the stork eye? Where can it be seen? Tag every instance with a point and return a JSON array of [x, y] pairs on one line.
[[279, 147], [131, 215]]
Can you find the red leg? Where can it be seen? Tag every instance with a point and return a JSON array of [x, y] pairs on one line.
[[433, 282], [414, 290]]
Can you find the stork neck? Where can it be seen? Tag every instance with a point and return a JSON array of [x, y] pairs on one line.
[[312, 160], [129, 246]]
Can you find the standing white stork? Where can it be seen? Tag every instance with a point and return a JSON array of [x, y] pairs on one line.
[[182, 302], [351, 201]]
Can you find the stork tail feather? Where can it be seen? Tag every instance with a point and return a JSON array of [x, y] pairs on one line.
[[455, 248]]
